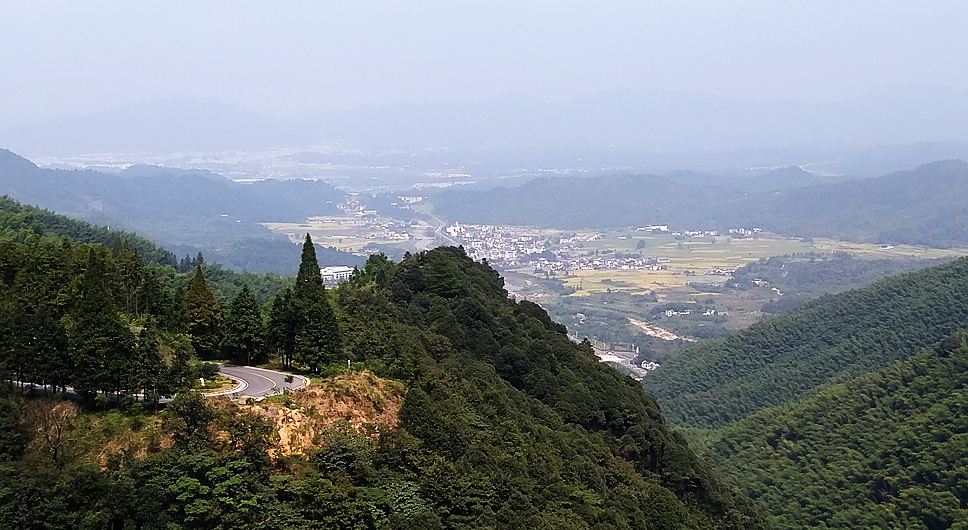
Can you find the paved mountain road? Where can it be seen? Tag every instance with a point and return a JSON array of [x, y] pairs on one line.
[[259, 382]]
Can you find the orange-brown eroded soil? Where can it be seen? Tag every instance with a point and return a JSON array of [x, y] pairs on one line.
[[361, 401]]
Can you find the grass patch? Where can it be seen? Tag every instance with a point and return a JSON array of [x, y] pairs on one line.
[[216, 384]]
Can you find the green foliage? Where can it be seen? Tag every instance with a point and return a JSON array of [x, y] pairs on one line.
[[281, 332], [802, 277], [505, 422], [14, 432], [830, 339], [317, 340], [226, 283], [188, 417], [203, 316], [309, 279], [19, 221], [885, 450], [377, 270], [316, 337], [101, 346], [86, 316], [523, 426], [245, 330]]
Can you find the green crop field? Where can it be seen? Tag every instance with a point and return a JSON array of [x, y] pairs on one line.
[[344, 233], [689, 258]]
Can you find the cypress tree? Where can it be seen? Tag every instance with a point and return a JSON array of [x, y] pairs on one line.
[[281, 333], [202, 313], [50, 348], [101, 345], [151, 374], [309, 280], [317, 338], [244, 328]]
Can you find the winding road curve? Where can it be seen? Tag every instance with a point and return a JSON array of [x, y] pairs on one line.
[[253, 382], [258, 382]]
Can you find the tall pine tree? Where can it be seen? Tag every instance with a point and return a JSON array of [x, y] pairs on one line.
[[281, 333], [309, 279], [151, 375], [203, 314], [317, 339], [102, 347], [244, 329]]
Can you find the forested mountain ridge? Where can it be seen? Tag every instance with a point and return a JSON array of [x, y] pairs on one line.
[[504, 423], [476, 336], [21, 223], [922, 206], [826, 340], [884, 450], [607, 201], [805, 276], [188, 210], [152, 194], [18, 221]]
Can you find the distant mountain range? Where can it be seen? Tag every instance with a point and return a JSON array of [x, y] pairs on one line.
[[650, 122], [157, 194], [924, 206], [186, 211]]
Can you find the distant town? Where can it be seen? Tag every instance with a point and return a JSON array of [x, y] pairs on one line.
[[513, 247], [510, 247]]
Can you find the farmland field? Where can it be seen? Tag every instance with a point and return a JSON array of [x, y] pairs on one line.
[[688, 277], [690, 258], [351, 233]]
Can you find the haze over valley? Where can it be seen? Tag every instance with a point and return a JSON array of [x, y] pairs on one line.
[[503, 265]]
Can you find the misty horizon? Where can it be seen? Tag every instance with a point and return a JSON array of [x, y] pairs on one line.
[[63, 59]]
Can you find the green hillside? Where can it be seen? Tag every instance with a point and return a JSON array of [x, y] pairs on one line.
[[148, 194], [505, 422], [827, 340], [884, 450], [922, 206], [609, 201], [19, 221]]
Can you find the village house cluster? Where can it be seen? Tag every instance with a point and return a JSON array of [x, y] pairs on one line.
[[499, 245], [508, 246], [744, 231], [584, 262]]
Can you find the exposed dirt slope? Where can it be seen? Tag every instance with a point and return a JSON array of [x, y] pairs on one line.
[[361, 401]]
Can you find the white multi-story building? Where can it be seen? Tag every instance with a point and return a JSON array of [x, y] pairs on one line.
[[334, 275]]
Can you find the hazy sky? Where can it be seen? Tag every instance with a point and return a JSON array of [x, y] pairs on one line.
[[284, 58]]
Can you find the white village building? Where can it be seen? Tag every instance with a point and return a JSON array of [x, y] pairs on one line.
[[334, 275]]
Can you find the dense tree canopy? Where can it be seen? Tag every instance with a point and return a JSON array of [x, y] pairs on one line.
[[827, 340], [101, 316], [885, 450], [505, 423], [203, 316], [306, 328], [245, 332]]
